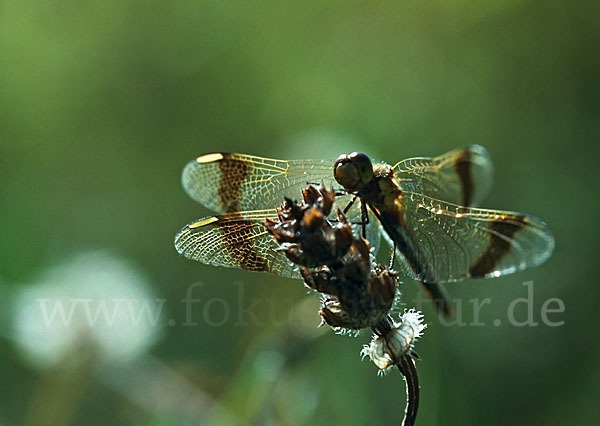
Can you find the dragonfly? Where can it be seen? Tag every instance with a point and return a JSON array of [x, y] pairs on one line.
[[426, 208]]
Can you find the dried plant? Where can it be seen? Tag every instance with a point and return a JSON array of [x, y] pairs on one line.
[[356, 292]]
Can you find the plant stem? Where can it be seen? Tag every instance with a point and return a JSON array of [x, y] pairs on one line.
[[409, 371]]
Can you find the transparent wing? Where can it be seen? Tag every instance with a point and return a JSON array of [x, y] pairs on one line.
[[229, 182], [235, 240], [462, 176], [449, 242], [240, 240]]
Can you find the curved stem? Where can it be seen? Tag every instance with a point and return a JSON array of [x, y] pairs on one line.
[[409, 371], [407, 367]]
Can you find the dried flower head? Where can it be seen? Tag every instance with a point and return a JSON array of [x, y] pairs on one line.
[[306, 236], [333, 262], [357, 293]]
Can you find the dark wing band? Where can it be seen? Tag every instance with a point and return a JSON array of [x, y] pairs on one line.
[[229, 182], [462, 176], [458, 242]]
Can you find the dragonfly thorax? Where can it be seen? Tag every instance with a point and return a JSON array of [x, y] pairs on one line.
[[381, 192]]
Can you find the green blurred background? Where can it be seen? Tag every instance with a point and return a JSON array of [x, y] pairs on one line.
[[102, 104]]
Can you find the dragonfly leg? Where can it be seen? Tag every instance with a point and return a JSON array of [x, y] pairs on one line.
[[337, 192], [350, 204], [364, 215]]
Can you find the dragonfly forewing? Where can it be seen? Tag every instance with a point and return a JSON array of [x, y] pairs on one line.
[[229, 182], [462, 176]]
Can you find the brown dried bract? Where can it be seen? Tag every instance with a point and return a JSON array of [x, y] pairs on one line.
[[334, 262], [306, 236]]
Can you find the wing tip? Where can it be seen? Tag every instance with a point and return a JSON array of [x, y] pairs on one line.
[[478, 150], [180, 239], [177, 242]]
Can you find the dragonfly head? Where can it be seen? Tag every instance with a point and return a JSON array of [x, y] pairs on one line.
[[353, 171]]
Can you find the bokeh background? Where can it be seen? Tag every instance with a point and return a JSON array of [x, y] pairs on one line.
[[102, 104]]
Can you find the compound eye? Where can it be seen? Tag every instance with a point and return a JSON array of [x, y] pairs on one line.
[[363, 164], [353, 171]]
